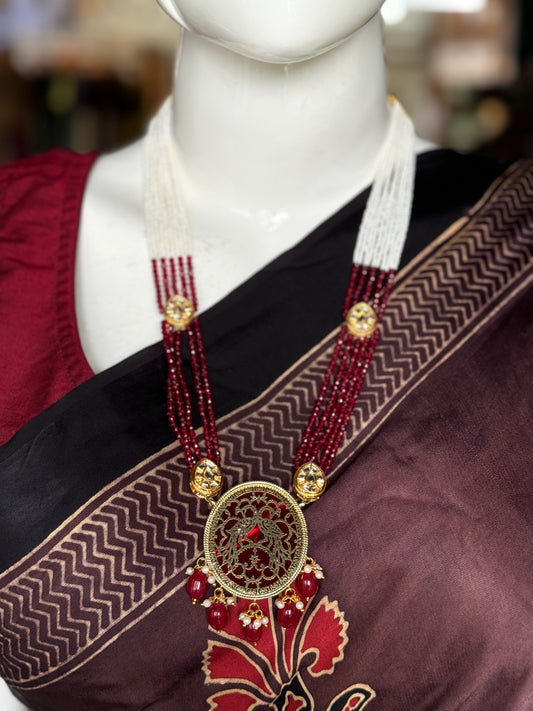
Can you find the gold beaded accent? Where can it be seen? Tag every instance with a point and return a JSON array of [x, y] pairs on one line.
[[254, 612], [361, 320], [289, 595], [206, 480], [309, 482], [179, 312]]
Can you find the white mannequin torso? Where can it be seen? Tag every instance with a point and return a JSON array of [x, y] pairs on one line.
[[269, 151]]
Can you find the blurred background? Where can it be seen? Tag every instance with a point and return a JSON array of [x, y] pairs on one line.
[[86, 74]]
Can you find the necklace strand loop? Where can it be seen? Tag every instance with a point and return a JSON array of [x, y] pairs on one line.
[[255, 539]]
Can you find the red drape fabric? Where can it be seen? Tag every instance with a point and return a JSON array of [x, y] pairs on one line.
[[40, 202]]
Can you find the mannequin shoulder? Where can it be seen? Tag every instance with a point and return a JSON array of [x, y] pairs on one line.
[[112, 209], [115, 183], [111, 258]]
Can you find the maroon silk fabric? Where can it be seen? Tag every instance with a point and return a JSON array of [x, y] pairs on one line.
[[40, 213]]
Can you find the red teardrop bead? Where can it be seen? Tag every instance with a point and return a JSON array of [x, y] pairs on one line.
[[253, 634], [217, 615], [289, 615], [197, 585], [307, 584]]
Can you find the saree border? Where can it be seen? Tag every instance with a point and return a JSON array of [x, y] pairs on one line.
[[441, 300]]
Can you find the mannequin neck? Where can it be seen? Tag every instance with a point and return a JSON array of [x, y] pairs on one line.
[[251, 134], [268, 152]]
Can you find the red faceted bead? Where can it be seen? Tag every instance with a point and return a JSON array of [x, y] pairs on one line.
[[253, 634], [197, 585], [217, 615], [307, 584], [289, 615]]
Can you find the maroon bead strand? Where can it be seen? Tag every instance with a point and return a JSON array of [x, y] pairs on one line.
[[200, 368], [203, 391], [194, 298], [210, 424], [167, 287], [361, 358], [349, 298], [184, 282], [155, 271], [347, 379], [370, 285], [196, 371], [337, 425], [343, 417], [346, 372], [182, 405], [339, 389], [178, 398], [387, 288], [172, 277], [376, 297], [174, 289], [324, 407], [353, 293], [184, 400], [306, 449], [383, 286], [315, 427]]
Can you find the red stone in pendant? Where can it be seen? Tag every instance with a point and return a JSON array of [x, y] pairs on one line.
[[289, 615], [307, 584], [253, 634], [254, 534], [197, 585], [218, 615]]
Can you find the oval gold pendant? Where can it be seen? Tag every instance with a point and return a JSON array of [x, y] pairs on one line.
[[255, 540]]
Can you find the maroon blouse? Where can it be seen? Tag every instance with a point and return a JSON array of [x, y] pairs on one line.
[[40, 202]]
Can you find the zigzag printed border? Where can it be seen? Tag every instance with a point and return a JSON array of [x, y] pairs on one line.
[[123, 553]]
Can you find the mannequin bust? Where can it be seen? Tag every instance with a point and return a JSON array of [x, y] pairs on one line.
[[279, 113]]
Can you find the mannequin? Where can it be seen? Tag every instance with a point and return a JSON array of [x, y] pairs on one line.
[[284, 152], [299, 123]]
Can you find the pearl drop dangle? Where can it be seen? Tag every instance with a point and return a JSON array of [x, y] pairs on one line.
[[253, 621]]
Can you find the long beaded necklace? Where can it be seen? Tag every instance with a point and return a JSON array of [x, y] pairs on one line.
[[255, 538]]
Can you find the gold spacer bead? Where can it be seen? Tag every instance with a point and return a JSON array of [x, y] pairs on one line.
[[179, 312], [206, 479], [361, 320], [309, 482]]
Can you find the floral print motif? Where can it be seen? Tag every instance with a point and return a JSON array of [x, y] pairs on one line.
[[276, 673]]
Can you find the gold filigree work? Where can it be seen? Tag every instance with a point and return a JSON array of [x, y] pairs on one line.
[[179, 312], [361, 320], [309, 482], [255, 540]]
